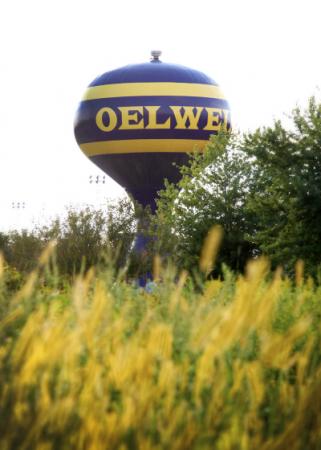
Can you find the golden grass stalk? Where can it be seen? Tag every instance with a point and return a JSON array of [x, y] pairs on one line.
[[210, 248]]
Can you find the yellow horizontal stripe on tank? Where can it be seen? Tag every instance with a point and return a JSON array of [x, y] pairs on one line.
[[143, 146], [153, 90]]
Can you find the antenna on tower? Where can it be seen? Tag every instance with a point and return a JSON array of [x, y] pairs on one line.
[[155, 55]]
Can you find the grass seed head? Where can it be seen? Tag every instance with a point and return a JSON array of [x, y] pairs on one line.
[[210, 248]]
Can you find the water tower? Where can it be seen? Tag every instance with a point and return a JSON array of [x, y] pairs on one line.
[[139, 122]]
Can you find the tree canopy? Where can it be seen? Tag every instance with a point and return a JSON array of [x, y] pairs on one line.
[[286, 203], [263, 188]]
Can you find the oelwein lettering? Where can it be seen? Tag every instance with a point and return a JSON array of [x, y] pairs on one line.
[[148, 117]]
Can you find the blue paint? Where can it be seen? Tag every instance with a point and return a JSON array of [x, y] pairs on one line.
[[158, 72]]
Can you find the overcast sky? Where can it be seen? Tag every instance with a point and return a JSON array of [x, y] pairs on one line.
[[265, 54]]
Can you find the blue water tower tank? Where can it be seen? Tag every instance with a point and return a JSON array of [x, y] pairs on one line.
[[139, 122]]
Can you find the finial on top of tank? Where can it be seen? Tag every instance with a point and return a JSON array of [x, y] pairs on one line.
[[155, 55]]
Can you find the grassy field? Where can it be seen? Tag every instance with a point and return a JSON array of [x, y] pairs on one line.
[[101, 364]]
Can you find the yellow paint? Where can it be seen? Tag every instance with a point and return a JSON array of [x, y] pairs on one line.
[[214, 119], [188, 114], [130, 119], [186, 118], [112, 119], [152, 119], [226, 115], [153, 89], [143, 146]]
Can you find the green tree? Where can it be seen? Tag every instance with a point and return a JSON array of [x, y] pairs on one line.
[[84, 237], [121, 230], [263, 188], [213, 190], [22, 249], [286, 204], [4, 242]]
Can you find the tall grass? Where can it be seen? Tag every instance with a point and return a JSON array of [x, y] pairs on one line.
[[231, 364]]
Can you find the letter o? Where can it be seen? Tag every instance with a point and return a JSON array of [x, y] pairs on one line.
[[112, 119]]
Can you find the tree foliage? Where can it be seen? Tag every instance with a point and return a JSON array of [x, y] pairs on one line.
[[21, 249], [213, 190], [286, 204], [263, 188], [83, 239]]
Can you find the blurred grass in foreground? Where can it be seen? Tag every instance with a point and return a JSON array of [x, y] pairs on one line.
[[231, 364]]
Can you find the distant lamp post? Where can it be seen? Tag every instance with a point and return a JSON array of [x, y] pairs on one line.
[[99, 192], [97, 179], [18, 205]]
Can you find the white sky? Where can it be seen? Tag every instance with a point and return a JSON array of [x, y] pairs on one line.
[[265, 54]]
